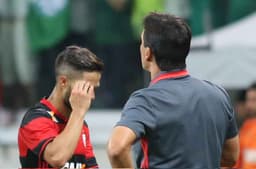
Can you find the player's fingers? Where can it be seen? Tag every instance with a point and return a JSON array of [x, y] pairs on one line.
[[91, 92], [81, 85], [75, 87], [86, 87]]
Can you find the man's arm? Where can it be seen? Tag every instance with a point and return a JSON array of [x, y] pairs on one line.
[[230, 152], [119, 147], [60, 150]]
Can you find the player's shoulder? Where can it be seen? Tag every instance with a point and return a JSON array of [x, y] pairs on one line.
[[216, 92], [138, 92], [214, 87], [139, 97], [207, 85], [142, 93], [35, 112], [147, 91]]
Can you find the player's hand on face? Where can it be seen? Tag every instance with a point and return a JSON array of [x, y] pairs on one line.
[[81, 96]]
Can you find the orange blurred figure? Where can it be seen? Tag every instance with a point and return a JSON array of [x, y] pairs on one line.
[[247, 157]]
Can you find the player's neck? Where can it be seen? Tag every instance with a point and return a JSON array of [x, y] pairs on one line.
[[58, 103], [154, 71]]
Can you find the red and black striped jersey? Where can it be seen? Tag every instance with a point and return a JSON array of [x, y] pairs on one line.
[[40, 125]]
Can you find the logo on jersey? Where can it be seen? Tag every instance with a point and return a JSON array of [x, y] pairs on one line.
[[74, 165], [84, 139], [51, 113]]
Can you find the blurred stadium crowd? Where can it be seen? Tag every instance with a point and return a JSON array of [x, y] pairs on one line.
[[32, 32]]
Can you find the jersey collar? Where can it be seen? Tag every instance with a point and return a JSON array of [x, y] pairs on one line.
[[48, 104], [170, 75]]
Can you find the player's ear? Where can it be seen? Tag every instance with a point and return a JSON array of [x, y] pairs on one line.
[[148, 54], [62, 80]]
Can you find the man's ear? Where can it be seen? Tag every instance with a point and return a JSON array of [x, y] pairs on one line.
[[148, 54], [62, 80]]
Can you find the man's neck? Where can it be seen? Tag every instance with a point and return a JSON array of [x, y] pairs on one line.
[[154, 71], [57, 101]]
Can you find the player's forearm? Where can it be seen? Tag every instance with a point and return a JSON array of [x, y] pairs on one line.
[[120, 159], [225, 164], [230, 152], [228, 159], [60, 150], [119, 147]]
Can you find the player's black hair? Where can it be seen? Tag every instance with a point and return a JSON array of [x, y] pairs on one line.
[[252, 86], [169, 39], [78, 59]]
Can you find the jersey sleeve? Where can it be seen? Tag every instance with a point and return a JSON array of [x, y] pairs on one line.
[[36, 132], [138, 115]]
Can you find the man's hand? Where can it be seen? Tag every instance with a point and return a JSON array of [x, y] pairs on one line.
[[81, 96], [61, 149]]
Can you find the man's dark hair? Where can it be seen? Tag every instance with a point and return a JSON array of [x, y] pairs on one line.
[[74, 58], [169, 39], [252, 86]]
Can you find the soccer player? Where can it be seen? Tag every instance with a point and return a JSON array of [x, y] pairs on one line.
[[53, 133], [178, 121], [247, 157]]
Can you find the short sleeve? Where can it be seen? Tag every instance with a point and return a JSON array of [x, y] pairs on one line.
[[138, 115], [37, 133], [232, 126], [232, 129]]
